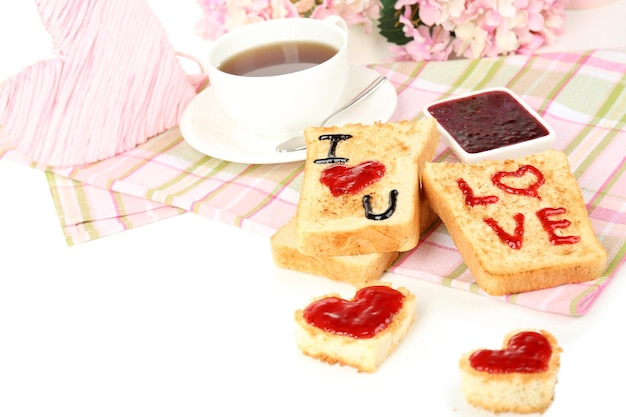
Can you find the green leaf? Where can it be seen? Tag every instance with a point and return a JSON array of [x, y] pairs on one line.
[[389, 25]]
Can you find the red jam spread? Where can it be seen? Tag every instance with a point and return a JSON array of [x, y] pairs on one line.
[[550, 226], [470, 199], [342, 179], [526, 352], [530, 191], [545, 215], [513, 240], [486, 121], [370, 311]]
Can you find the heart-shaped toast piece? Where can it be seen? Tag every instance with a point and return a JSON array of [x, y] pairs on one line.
[[525, 352], [343, 179], [361, 332], [369, 312], [519, 378]]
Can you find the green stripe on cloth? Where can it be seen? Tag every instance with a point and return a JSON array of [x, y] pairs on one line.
[[61, 186]]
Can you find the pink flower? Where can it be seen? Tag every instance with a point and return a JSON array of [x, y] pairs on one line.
[[212, 23], [433, 29], [221, 16], [354, 12], [429, 44]]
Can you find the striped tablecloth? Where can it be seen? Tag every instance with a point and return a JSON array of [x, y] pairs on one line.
[[581, 95]]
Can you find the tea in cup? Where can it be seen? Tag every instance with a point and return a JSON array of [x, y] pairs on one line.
[[276, 77]]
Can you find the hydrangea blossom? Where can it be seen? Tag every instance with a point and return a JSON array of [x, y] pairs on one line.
[[354, 12], [221, 16], [482, 28], [432, 29]]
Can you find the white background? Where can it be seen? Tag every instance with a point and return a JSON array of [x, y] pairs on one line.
[[189, 317]]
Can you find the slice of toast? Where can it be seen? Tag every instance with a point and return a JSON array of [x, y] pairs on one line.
[[526, 389], [520, 225], [365, 353], [360, 191], [357, 270]]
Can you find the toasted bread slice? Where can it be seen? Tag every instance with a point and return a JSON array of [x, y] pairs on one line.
[[520, 225], [360, 191]]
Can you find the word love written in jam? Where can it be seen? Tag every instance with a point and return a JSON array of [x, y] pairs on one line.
[[342, 179], [548, 216]]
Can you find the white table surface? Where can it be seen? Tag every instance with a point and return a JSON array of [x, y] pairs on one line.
[[189, 317]]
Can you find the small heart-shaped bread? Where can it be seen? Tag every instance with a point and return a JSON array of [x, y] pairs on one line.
[[519, 378], [361, 332], [369, 312], [526, 352]]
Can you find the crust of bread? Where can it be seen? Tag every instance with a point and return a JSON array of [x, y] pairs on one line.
[[513, 392], [497, 268], [358, 270], [337, 226], [363, 354]]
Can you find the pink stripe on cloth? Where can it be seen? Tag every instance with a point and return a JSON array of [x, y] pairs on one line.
[[582, 95]]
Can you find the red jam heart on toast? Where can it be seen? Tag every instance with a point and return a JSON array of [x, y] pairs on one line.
[[530, 191], [526, 352], [369, 312], [342, 179]]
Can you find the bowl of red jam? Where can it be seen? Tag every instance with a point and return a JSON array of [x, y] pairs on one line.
[[491, 124]]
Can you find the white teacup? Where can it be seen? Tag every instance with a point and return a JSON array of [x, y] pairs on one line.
[[281, 106]]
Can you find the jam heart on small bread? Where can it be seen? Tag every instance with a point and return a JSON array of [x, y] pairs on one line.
[[525, 352], [529, 191], [520, 378], [342, 179], [369, 312]]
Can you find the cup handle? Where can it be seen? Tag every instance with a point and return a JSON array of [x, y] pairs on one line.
[[338, 21]]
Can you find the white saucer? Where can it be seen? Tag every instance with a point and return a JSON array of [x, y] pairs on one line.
[[206, 127]]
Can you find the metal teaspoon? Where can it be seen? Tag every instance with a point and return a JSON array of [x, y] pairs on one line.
[[297, 143]]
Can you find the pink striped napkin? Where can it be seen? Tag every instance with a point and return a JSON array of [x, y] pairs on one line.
[[87, 212], [582, 95]]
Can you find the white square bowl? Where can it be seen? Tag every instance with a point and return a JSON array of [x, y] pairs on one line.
[[491, 124]]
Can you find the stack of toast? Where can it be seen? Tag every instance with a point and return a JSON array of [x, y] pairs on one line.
[[361, 204]]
